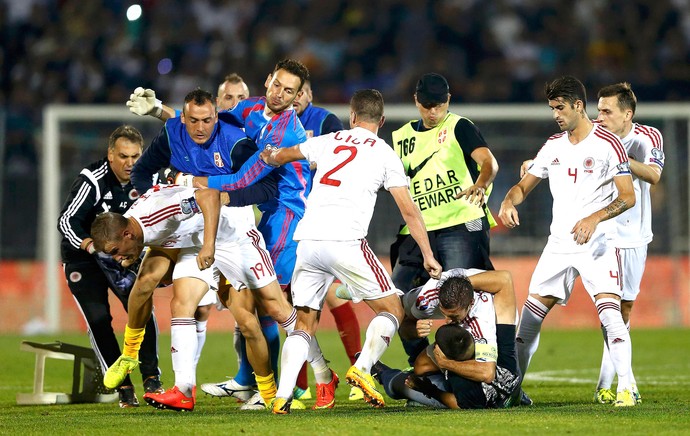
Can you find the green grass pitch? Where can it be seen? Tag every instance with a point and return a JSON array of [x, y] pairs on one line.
[[561, 381]]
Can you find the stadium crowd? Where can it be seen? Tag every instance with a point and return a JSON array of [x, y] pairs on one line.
[[491, 51], [70, 51]]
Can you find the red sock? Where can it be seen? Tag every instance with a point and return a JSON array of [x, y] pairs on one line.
[[302, 380], [348, 327]]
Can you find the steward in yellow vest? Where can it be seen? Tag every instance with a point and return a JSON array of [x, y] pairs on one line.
[[451, 170]]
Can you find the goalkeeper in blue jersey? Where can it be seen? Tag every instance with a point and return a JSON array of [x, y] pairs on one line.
[[271, 120], [198, 143]]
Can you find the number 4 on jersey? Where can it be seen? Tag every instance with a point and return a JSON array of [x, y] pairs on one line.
[[573, 172]]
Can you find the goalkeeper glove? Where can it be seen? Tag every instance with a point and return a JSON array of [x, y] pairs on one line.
[[144, 102], [175, 177]]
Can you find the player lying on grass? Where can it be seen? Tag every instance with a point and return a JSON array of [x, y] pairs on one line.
[[460, 372]]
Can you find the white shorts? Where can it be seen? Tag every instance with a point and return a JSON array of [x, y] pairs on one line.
[[351, 262], [246, 263], [633, 262], [556, 272], [209, 298], [186, 266]]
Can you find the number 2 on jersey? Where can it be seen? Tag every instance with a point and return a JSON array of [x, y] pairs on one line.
[[327, 179]]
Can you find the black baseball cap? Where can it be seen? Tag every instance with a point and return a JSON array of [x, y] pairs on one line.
[[432, 89]]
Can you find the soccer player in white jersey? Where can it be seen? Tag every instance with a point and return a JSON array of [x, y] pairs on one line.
[[645, 148], [493, 289], [590, 182], [170, 216], [352, 165], [482, 302]]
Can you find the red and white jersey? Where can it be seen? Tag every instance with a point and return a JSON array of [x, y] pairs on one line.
[[171, 218], [581, 183], [422, 303], [352, 165], [646, 145]]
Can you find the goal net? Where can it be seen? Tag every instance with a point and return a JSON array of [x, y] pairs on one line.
[[76, 135]]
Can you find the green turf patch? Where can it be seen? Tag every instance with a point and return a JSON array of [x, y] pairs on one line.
[[561, 381]]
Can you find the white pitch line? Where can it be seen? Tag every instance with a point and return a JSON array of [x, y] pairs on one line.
[[589, 376]]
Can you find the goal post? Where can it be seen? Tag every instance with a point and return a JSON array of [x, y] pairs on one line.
[[672, 119]]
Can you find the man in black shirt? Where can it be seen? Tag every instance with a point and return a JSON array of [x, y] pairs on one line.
[[100, 187]]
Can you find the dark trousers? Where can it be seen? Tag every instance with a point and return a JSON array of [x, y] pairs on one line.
[[89, 287]]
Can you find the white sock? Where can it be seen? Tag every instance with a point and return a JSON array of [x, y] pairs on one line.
[[293, 356], [289, 324], [318, 363], [200, 340], [237, 345], [183, 344], [379, 334], [633, 382], [618, 338], [533, 314], [607, 372]]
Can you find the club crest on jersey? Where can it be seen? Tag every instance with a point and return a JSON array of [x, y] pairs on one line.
[[422, 303], [442, 135], [189, 206], [218, 159], [588, 164], [75, 276], [133, 194]]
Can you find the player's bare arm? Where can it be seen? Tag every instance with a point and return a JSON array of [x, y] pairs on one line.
[[87, 245], [616, 208], [423, 365], [423, 327], [424, 385], [516, 195], [499, 283], [476, 194], [200, 181], [408, 328], [526, 165], [413, 218], [209, 202], [584, 228], [647, 173], [484, 372], [167, 113]]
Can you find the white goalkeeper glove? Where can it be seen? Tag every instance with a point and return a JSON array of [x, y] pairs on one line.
[[179, 178], [144, 102]]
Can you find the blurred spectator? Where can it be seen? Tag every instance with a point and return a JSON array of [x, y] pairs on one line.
[[75, 51], [51, 42]]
